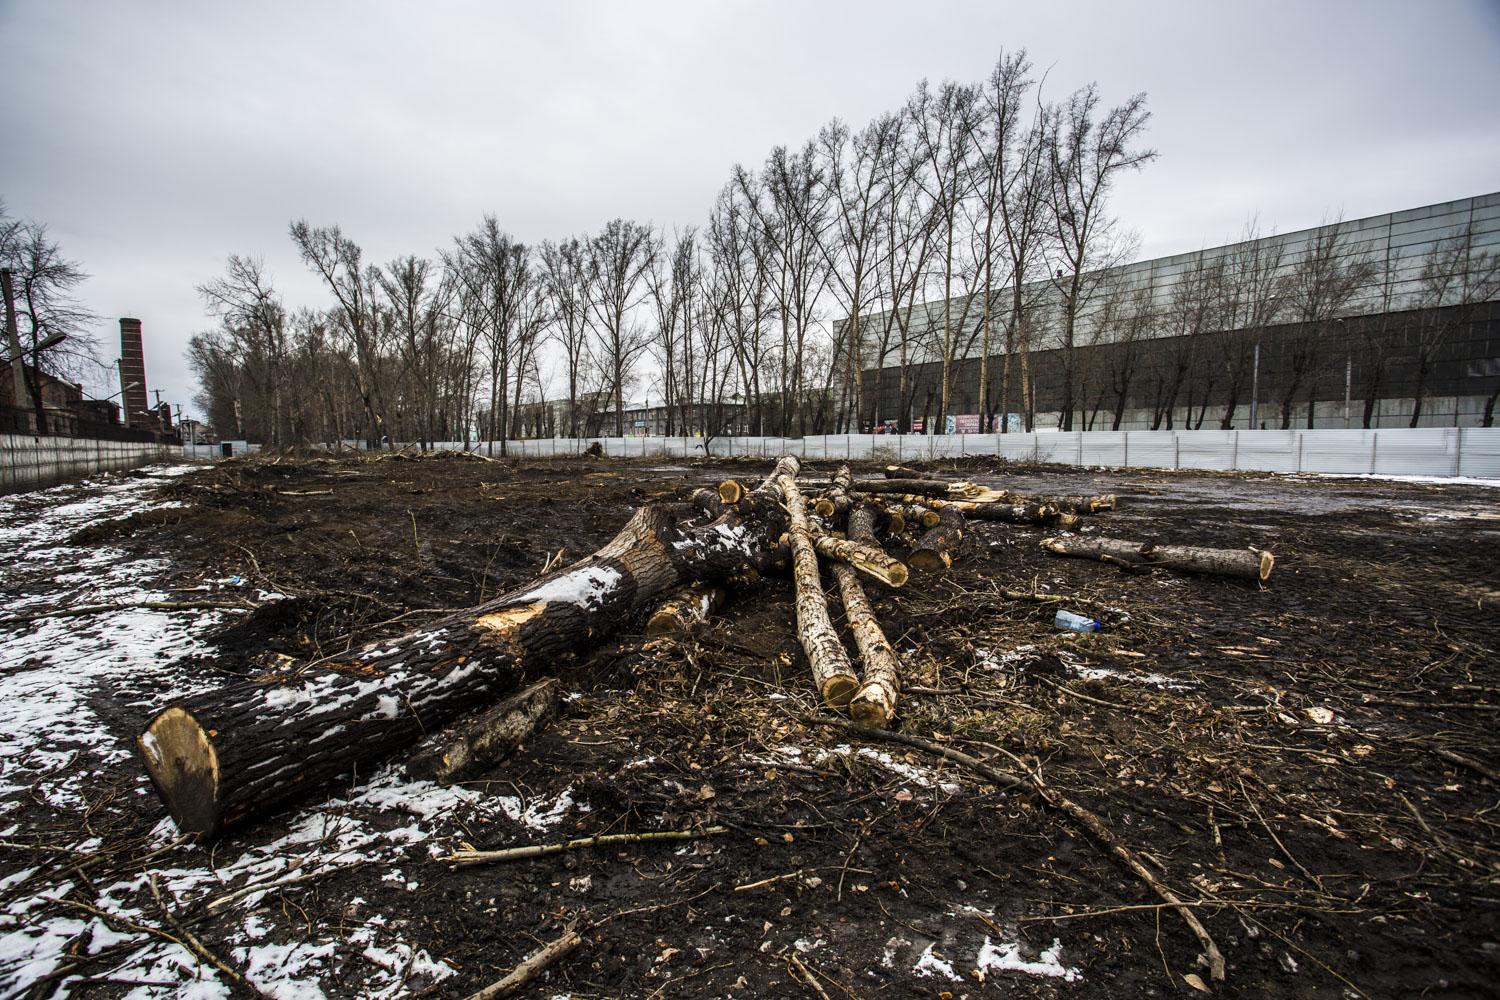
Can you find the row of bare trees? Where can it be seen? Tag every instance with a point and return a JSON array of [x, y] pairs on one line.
[[964, 190], [841, 285]]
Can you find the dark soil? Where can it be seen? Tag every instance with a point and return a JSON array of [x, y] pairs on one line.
[[1288, 779]]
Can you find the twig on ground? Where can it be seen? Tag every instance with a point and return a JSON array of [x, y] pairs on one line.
[[473, 857], [532, 965]]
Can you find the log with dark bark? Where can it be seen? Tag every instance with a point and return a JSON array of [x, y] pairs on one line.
[[473, 745], [220, 757], [1253, 563], [902, 472], [834, 677], [688, 607], [709, 502], [936, 549]]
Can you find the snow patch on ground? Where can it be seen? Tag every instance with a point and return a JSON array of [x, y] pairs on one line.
[[56, 677], [1006, 957]]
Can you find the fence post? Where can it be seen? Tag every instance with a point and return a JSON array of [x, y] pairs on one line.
[[1079, 463], [1234, 456], [1125, 463], [1177, 451], [1458, 453], [1374, 444], [1300, 439]]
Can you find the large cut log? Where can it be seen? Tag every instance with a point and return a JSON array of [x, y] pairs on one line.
[[874, 704], [220, 757], [473, 745], [688, 607], [935, 550], [834, 677], [1253, 563]]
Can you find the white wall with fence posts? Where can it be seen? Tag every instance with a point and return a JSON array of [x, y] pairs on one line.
[[1466, 452]]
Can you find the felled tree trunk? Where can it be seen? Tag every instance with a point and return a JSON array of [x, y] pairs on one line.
[[831, 671], [1009, 513], [688, 607], [938, 545], [223, 756], [874, 704], [1252, 563], [475, 744]]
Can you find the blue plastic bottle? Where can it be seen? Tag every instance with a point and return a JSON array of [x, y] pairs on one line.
[[1076, 623]]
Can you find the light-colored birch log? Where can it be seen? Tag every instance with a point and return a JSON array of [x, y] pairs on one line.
[[1253, 563], [874, 704], [835, 678]]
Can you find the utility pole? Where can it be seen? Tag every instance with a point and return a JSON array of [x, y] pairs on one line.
[[1255, 387]]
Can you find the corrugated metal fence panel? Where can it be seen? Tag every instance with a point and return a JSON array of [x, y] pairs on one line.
[[1205, 450], [1336, 451], [1481, 452], [1152, 450], [1105, 448], [1418, 451], [1262, 451]]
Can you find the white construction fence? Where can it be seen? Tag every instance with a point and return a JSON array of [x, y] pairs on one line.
[[1467, 452]]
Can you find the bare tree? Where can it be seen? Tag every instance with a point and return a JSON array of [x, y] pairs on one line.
[[1087, 152], [618, 259], [338, 261], [1252, 299], [858, 187], [1003, 171], [1456, 279], [254, 336], [944, 124], [565, 271], [417, 299], [495, 269], [1320, 284]]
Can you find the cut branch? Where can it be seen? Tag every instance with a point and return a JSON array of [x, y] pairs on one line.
[[685, 609], [532, 966], [868, 558], [1086, 818], [473, 745], [468, 856]]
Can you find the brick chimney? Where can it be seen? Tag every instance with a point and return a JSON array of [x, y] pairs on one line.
[[133, 370]]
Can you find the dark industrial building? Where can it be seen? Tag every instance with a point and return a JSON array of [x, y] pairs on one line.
[[1389, 321]]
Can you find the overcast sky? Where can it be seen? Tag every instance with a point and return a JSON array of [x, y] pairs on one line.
[[157, 138]]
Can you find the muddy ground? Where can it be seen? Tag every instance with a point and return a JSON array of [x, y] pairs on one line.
[[1310, 763]]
